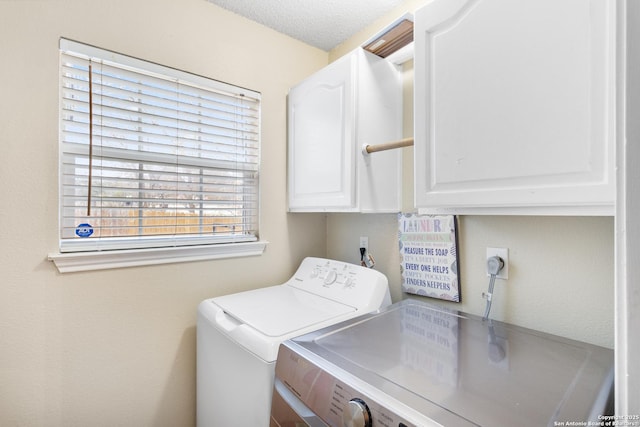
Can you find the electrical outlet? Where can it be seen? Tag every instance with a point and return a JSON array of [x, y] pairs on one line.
[[364, 242], [504, 254]]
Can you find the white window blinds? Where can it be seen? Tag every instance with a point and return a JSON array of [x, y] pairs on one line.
[[152, 156]]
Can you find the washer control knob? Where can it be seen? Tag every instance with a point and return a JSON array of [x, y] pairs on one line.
[[356, 413], [330, 277]]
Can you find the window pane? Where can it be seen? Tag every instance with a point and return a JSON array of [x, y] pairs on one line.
[[159, 159]]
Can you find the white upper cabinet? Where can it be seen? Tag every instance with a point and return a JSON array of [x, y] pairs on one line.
[[515, 106], [354, 101]]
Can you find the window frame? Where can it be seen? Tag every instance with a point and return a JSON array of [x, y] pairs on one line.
[[176, 249]]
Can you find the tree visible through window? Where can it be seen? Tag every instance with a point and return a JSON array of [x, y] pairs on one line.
[[152, 156]]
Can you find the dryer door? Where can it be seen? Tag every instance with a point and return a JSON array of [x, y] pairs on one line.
[[289, 411]]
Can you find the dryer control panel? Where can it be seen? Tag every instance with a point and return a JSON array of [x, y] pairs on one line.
[[354, 285], [301, 383]]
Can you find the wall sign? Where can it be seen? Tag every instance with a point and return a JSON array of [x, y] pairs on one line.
[[429, 255]]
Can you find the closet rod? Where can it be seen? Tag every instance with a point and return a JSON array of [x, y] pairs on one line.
[[406, 142]]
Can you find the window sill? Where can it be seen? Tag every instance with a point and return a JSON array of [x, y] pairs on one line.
[[87, 261]]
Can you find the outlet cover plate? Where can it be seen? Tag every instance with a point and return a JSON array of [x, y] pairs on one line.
[[364, 242], [504, 254]]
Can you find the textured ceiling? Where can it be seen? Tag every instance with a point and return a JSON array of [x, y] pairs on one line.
[[320, 23]]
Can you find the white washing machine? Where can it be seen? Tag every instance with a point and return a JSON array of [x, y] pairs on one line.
[[238, 335]]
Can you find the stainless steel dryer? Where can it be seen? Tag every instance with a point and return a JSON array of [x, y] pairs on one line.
[[416, 364]]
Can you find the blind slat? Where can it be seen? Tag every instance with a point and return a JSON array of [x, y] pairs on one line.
[[169, 114], [208, 163]]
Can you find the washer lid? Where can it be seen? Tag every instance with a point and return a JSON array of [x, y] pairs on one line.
[[280, 310]]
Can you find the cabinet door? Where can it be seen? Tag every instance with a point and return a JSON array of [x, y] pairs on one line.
[[321, 139], [515, 105]]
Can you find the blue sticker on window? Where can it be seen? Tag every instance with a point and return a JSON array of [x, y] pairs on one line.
[[84, 230]]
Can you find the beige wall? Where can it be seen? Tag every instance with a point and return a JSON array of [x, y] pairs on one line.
[[561, 269], [118, 347]]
